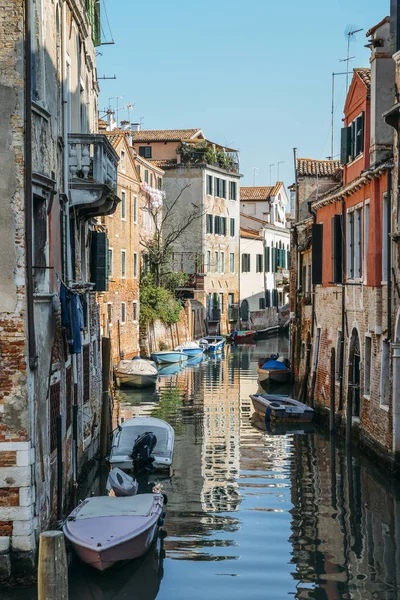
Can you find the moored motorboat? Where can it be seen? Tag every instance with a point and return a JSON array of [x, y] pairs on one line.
[[274, 370], [137, 373], [191, 349], [121, 483], [212, 343], [241, 336], [169, 356], [262, 334], [105, 530], [281, 408], [123, 448]]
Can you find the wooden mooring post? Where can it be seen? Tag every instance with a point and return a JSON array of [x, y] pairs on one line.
[[52, 568]]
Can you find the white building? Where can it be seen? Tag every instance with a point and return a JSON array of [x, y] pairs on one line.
[[264, 248]]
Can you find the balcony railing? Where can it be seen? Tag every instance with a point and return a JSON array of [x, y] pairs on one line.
[[93, 165], [204, 153]]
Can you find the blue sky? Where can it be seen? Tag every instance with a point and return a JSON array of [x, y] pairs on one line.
[[254, 75]]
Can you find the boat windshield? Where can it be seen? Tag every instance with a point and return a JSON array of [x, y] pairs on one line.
[[128, 436]]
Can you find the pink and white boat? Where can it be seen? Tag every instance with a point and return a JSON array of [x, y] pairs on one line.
[[105, 530]]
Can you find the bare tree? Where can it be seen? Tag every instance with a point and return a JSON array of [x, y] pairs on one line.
[[169, 226]]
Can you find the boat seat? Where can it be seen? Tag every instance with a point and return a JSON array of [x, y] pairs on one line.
[[111, 506]]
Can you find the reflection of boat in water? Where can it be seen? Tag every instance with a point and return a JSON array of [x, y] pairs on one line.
[[139, 580], [196, 360], [277, 428], [138, 396], [172, 369]]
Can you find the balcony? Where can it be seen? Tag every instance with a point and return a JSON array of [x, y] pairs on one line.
[[93, 166], [206, 153]]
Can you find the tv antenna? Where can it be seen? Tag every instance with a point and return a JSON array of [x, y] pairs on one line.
[[270, 173], [129, 108], [280, 162], [255, 174], [350, 34]]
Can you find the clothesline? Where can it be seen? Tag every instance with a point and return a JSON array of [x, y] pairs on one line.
[[75, 285]]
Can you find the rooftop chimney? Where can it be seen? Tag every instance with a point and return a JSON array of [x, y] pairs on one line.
[[382, 91], [135, 126], [125, 125], [111, 123]]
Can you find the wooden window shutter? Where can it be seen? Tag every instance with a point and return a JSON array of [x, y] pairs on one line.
[[267, 253], [345, 145], [317, 230], [99, 261], [337, 249]]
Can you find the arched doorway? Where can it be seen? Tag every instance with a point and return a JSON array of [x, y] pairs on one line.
[[244, 310], [354, 388]]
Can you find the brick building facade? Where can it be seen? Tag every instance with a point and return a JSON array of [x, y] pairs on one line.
[[55, 174], [342, 330]]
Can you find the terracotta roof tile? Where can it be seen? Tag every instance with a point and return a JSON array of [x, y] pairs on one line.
[[322, 168], [163, 163], [375, 27], [253, 233], [254, 219], [276, 187], [365, 76], [113, 138], [255, 193], [166, 135]]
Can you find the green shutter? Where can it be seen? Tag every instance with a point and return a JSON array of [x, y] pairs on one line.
[[345, 145], [99, 261]]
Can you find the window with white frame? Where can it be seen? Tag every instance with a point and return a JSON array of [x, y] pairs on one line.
[[110, 262], [222, 270], [367, 365], [232, 262], [134, 207], [245, 263], [208, 261], [366, 240], [216, 257], [135, 265], [123, 312], [385, 382], [134, 311], [123, 205], [123, 264], [354, 244], [385, 237]]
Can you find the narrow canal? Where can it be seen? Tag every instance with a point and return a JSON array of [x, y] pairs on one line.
[[263, 515]]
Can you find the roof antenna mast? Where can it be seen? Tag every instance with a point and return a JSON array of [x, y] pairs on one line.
[[350, 33]]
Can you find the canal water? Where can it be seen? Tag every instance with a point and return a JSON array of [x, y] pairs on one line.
[[253, 514]]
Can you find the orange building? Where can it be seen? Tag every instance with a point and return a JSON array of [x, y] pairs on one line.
[[343, 350]]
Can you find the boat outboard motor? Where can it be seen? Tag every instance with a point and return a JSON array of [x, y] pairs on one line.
[[141, 452]]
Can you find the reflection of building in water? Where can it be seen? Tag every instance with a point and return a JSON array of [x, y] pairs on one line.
[[221, 437], [344, 526]]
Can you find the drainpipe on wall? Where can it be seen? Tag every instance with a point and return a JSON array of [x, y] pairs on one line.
[[343, 310], [28, 189], [295, 253], [314, 375], [389, 258], [68, 224]]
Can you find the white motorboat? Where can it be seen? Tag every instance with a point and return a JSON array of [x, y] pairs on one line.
[[121, 483], [128, 433], [137, 373]]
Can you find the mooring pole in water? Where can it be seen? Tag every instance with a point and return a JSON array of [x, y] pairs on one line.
[[105, 399], [59, 469], [332, 392], [52, 567]]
